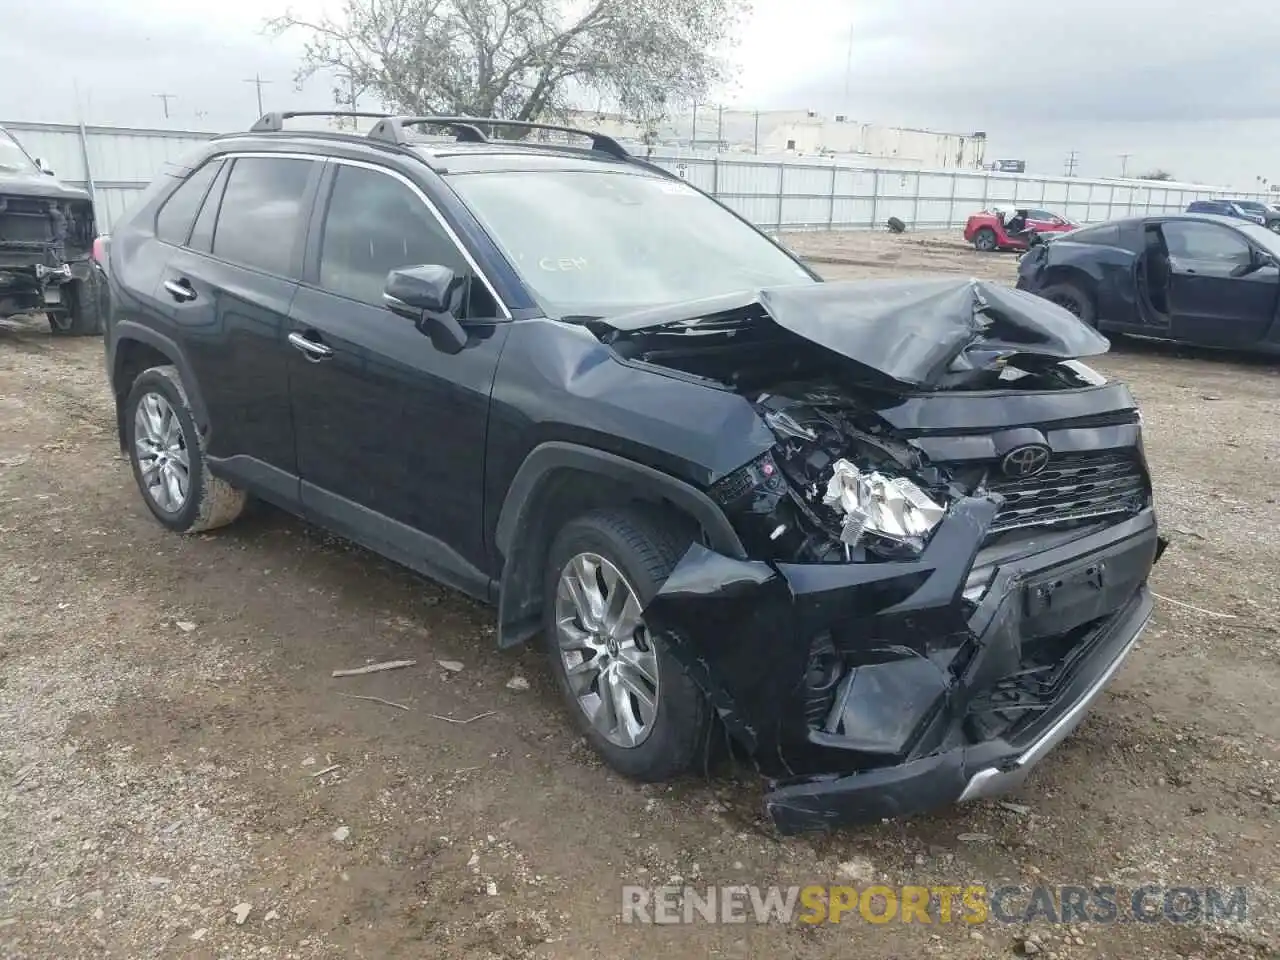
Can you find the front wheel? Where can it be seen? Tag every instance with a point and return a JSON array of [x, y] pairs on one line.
[[82, 313], [631, 699], [1274, 226], [985, 240], [1072, 299]]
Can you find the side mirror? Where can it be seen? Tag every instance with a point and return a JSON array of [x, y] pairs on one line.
[[42, 168], [426, 295]]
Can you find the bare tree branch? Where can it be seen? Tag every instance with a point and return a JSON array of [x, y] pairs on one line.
[[525, 59]]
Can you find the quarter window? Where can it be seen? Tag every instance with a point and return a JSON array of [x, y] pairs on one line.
[[375, 224], [173, 223], [260, 212], [1206, 241]]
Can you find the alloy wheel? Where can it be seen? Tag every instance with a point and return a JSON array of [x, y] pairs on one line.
[[605, 650], [161, 448]]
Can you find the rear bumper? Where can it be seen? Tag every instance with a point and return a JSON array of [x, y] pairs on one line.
[[967, 772]]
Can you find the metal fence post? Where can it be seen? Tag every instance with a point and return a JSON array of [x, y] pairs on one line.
[[88, 171], [715, 177], [875, 197], [951, 203], [1111, 202], [915, 204], [782, 175], [831, 213]]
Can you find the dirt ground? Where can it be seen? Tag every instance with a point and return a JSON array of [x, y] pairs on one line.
[[174, 751]]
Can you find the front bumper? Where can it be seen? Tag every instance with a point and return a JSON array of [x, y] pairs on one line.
[[962, 773], [878, 690]]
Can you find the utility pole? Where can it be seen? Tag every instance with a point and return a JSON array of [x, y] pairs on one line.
[[693, 132], [720, 128], [1071, 162], [257, 81], [165, 98], [848, 69], [1124, 164]]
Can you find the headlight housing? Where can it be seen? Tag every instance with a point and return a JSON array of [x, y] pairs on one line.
[[891, 509]]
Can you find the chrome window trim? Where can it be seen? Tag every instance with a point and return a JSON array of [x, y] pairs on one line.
[[397, 175]]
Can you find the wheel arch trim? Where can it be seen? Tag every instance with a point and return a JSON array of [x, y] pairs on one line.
[[517, 606]]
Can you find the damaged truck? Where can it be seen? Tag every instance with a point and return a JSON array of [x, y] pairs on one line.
[[890, 538], [47, 236]]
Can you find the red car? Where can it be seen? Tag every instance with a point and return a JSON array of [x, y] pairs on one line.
[[987, 231]]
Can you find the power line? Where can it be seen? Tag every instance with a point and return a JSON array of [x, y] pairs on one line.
[[1072, 161], [257, 81], [165, 98]]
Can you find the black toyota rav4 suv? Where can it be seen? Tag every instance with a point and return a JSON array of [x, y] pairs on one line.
[[891, 537]]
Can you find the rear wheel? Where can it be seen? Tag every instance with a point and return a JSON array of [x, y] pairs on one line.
[[1072, 299], [166, 450], [81, 313], [632, 701], [985, 240]]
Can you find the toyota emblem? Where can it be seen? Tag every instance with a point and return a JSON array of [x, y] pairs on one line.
[[1026, 461]]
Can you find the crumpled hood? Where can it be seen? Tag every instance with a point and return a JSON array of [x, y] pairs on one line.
[[38, 185], [912, 331]]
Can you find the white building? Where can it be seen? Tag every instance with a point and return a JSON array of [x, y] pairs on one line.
[[802, 133]]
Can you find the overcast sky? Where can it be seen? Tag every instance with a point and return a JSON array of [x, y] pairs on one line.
[[1194, 88]]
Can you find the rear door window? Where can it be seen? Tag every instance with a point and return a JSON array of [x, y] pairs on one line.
[[173, 222], [261, 209]]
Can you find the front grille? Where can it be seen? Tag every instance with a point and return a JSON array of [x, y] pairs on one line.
[[1077, 486]]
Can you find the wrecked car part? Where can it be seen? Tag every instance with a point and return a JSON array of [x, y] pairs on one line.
[[913, 332], [892, 508], [878, 689], [46, 236]]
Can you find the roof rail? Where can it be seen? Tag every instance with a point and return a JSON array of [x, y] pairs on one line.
[[471, 129], [600, 142], [391, 129], [274, 122]]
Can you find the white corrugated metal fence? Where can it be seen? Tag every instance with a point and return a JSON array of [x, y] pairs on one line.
[[776, 194]]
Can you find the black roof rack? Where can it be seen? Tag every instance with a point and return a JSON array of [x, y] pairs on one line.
[[391, 130], [274, 122]]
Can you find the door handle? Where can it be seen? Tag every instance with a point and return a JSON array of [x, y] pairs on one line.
[[180, 290], [312, 350]]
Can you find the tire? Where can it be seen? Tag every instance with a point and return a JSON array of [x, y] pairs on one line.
[[895, 225], [83, 314], [642, 549], [1273, 226], [1072, 299], [207, 502], [985, 240]]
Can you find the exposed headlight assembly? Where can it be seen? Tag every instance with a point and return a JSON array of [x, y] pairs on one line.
[[891, 509]]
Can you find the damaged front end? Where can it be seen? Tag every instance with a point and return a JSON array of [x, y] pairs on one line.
[[46, 240], [947, 546]]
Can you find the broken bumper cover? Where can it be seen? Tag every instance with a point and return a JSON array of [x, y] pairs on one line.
[[963, 773], [876, 690]]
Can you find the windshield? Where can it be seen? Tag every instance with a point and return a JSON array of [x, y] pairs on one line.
[[1250, 206], [1261, 237], [595, 243], [12, 157]]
